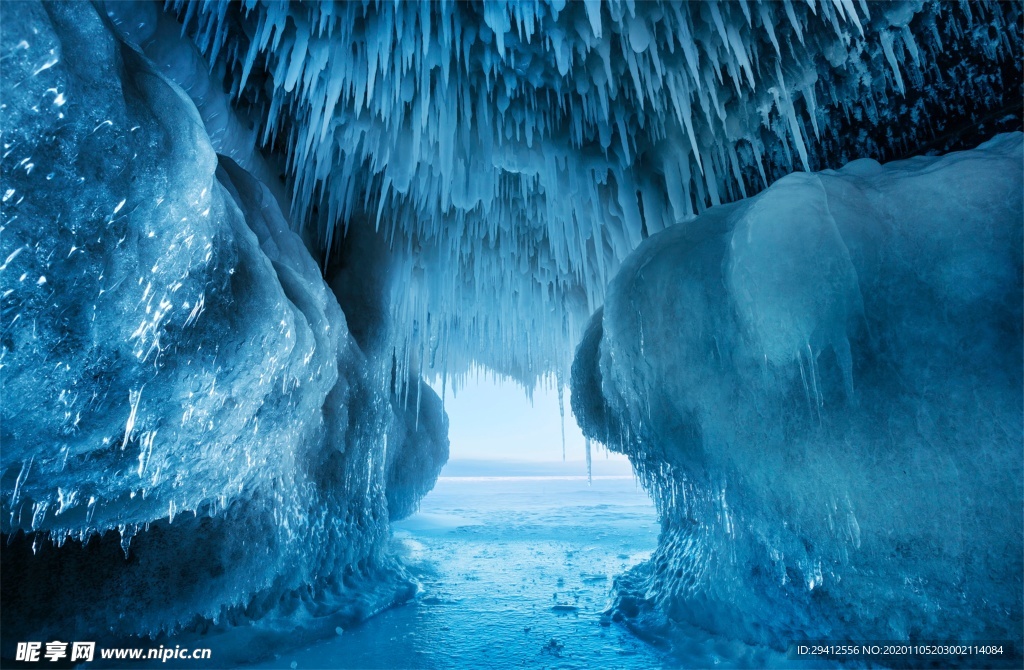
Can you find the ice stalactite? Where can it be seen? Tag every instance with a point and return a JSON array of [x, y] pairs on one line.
[[821, 388], [517, 152], [590, 471]]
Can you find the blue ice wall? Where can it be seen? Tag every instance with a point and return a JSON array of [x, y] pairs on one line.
[[821, 387], [190, 432]]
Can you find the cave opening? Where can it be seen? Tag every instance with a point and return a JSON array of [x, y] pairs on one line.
[[263, 261], [512, 544]]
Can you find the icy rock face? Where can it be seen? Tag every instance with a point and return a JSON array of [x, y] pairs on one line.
[[186, 419], [821, 387], [517, 152]]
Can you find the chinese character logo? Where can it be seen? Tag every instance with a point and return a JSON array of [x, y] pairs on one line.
[[56, 650], [28, 651], [82, 651]]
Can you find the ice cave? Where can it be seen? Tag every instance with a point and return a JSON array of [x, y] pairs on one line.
[[769, 250]]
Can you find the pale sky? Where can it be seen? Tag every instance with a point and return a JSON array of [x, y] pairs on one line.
[[495, 420]]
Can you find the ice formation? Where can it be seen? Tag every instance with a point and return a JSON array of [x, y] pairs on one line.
[[212, 365], [821, 386], [516, 152], [186, 416]]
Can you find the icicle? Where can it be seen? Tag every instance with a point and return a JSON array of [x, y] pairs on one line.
[[768, 22], [812, 108], [786, 107], [364, 97], [911, 44], [788, 4], [593, 9], [127, 533], [590, 472], [886, 38], [561, 413]]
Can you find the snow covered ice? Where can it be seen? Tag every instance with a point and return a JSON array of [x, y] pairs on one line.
[[760, 239]]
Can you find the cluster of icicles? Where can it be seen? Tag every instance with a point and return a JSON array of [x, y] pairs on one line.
[[514, 153]]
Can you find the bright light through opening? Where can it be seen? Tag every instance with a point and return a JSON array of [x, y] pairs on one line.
[[494, 420]]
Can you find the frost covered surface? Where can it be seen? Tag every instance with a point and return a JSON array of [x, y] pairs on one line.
[[519, 151], [186, 418], [821, 387]]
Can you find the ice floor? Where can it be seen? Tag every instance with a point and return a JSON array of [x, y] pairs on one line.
[[515, 572]]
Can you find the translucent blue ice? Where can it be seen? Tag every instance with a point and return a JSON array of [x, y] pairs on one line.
[[821, 388], [180, 386]]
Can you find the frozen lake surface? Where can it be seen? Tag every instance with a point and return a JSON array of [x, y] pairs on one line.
[[515, 572]]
